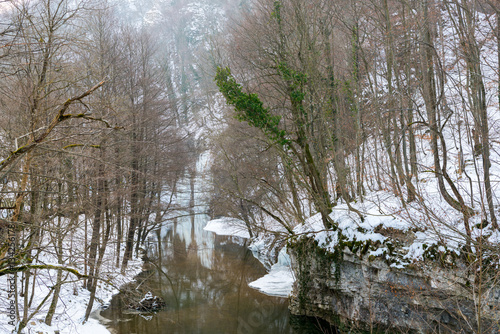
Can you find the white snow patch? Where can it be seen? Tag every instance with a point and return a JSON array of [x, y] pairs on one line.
[[228, 226], [278, 282], [73, 298]]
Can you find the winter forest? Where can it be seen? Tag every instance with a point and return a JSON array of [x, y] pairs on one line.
[[352, 145]]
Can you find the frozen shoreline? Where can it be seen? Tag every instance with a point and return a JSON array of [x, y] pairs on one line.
[[279, 280]]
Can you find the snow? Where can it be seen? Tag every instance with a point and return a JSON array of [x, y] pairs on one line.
[[228, 226], [73, 299], [153, 16], [147, 297], [443, 232], [352, 227], [90, 327], [279, 280]]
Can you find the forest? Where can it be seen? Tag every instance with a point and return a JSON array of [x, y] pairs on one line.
[[379, 118], [376, 119]]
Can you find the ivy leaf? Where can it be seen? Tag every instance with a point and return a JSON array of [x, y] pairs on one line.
[[249, 108]]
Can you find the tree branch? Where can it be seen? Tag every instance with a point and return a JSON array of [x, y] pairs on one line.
[[58, 118], [25, 267]]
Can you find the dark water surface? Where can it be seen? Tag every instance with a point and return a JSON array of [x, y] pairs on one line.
[[203, 278]]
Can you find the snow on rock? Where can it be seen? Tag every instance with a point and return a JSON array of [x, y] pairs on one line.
[[387, 223], [278, 282], [148, 304], [351, 225]]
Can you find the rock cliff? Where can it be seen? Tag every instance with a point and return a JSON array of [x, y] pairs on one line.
[[368, 294]]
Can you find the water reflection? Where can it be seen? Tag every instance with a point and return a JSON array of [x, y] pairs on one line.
[[201, 299], [203, 279]]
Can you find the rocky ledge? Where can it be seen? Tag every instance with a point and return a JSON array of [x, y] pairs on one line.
[[368, 293]]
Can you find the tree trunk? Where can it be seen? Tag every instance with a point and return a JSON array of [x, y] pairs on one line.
[[429, 94], [102, 250], [134, 207], [96, 226], [58, 246], [478, 97]]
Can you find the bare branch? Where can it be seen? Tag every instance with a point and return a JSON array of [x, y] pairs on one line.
[[58, 118]]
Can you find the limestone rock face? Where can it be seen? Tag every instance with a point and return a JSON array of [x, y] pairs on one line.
[[369, 295]]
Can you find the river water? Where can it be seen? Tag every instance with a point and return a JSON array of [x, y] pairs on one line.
[[203, 278]]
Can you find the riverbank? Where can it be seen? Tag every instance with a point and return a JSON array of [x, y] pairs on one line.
[[385, 270], [73, 300], [392, 271], [268, 249]]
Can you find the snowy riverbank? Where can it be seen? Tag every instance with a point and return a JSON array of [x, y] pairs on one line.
[[279, 280], [72, 304], [383, 213]]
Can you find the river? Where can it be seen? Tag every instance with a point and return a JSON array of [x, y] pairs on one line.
[[203, 278]]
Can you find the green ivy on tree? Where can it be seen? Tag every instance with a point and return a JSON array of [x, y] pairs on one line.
[[249, 108]]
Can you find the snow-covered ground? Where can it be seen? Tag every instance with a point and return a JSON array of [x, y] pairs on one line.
[[382, 211], [73, 299]]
